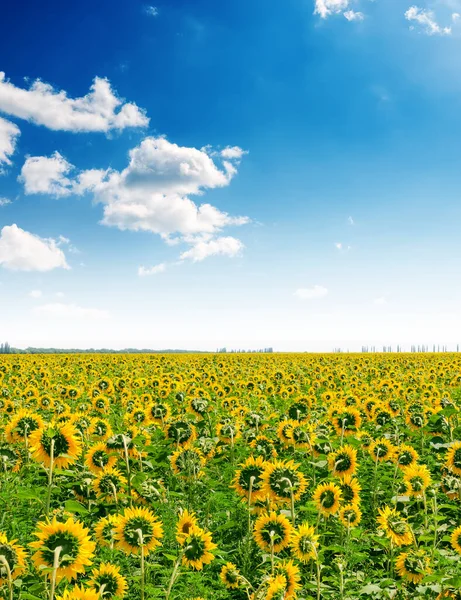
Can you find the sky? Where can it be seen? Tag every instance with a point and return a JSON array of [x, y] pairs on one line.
[[245, 174]]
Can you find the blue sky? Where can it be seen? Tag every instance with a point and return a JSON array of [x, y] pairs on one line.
[[244, 174]]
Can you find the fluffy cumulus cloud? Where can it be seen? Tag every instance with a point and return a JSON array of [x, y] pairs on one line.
[[99, 110], [4, 201], [324, 8], [152, 193], [145, 271], [24, 251], [427, 21], [9, 133], [352, 15], [70, 311], [317, 291], [225, 246]]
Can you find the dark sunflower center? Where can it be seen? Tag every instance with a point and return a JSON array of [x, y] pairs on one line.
[[108, 483], [109, 582], [383, 417], [305, 544], [397, 526], [300, 436], [347, 420], [232, 576], [417, 483], [297, 411], [195, 548], [61, 445], [457, 458], [180, 431], [276, 529], [100, 428], [327, 499], [159, 411], [245, 477], [130, 531], [9, 554], [381, 450], [283, 482], [26, 425], [348, 493], [70, 548], [350, 515], [200, 405], [414, 565], [405, 458], [343, 462], [100, 458], [139, 416]]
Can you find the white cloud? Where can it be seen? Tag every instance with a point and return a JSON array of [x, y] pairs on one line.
[[351, 221], [47, 175], [225, 246], [324, 8], [99, 110], [341, 247], [150, 194], [152, 11], [426, 19], [9, 133], [24, 251], [4, 201], [354, 16], [144, 271], [317, 291], [70, 311], [35, 294], [233, 152], [380, 301]]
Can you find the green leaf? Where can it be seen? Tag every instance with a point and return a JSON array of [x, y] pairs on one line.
[[75, 507]]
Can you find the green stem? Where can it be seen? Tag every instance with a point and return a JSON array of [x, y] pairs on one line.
[[50, 479], [57, 554], [8, 576]]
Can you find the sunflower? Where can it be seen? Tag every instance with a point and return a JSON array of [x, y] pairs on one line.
[[10, 458], [285, 432], [347, 421], [381, 450], [105, 530], [416, 478], [290, 571], [180, 432], [230, 576], [454, 458], [100, 429], [413, 565], [456, 539], [327, 497], [276, 588], [263, 446], [98, 458], [281, 480], [272, 529], [197, 548], [108, 581], [80, 593], [108, 484], [61, 440], [138, 527], [188, 463], [22, 425], [186, 521], [304, 543], [229, 432], [250, 476], [159, 412], [15, 557], [76, 547], [405, 456], [350, 515], [343, 462], [350, 489], [395, 526], [303, 436]]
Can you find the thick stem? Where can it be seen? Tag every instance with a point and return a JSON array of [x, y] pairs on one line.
[[141, 543], [57, 554], [9, 577], [128, 472], [50, 479]]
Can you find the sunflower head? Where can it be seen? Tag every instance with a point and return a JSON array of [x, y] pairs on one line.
[[343, 462], [230, 576], [282, 480], [272, 531], [108, 581], [249, 478], [413, 565], [304, 543], [197, 548], [327, 497], [14, 555], [136, 528], [394, 526], [186, 521], [456, 539]]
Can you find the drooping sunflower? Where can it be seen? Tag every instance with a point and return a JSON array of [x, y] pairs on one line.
[[100, 429], [249, 476], [381, 450], [285, 431], [350, 515], [108, 581], [109, 484], [304, 543], [417, 479], [15, 557], [10, 458], [197, 548], [347, 421], [272, 530], [138, 527], [290, 571], [343, 462], [180, 432], [22, 425], [454, 458], [64, 440], [159, 412], [263, 446], [395, 526], [405, 456], [230, 576], [105, 530], [282, 479], [276, 587], [456, 539], [188, 463], [327, 497], [413, 565], [229, 432], [303, 436], [350, 490], [73, 538], [99, 458], [80, 593]]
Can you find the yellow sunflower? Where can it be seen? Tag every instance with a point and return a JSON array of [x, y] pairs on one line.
[[138, 527], [15, 557], [197, 548], [456, 539], [22, 425], [290, 571], [395, 526], [350, 489], [454, 458], [272, 530], [381, 450], [304, 543], [413, 565], [417, 479], [327, 497], [80, 593], [343, 462], [230, 576], [186, 521], [249, 476], [108, 581], [72, 538], [105, 530], [63, 439], [282, 479], [109, 484], [276, 588], [350, 515], [99, 458], [405, 456]]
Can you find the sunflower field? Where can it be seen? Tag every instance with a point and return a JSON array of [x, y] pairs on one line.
[[240, 476]]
